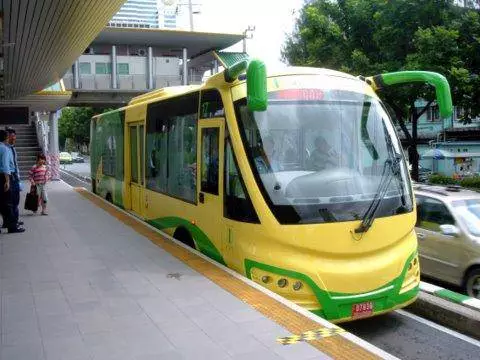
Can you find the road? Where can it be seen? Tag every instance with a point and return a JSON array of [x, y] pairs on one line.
[[408, 336], [400, 333]]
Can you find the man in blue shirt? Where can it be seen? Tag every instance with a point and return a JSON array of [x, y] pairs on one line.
[[14, 179], [7, 168]]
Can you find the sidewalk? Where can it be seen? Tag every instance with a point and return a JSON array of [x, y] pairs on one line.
[[81, 285]]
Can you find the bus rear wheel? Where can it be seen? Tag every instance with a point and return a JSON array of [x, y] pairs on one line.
[[183, 235]]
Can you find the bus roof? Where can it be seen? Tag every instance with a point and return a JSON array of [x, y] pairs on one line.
[[219, 78], [164, 92]]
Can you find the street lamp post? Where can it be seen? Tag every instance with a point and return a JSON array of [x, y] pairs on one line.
[[247, 34], [190, 12]]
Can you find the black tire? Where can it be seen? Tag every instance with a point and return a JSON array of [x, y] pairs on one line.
[[109, 198], [472, 283], [183, 235]]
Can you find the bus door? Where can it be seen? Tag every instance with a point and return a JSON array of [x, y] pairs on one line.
[[210, 189], [136, 133]]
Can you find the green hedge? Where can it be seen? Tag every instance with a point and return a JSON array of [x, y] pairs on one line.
[[469, 182], [442, 180]]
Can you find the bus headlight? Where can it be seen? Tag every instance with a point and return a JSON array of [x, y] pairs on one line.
[[297, 285], [282, 282]]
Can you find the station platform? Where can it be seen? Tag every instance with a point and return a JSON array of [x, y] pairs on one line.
[[90, 281]]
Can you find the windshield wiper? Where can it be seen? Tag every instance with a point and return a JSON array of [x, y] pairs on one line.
[[392, 165]]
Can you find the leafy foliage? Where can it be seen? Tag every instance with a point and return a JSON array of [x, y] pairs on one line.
[[74, 123], [367, 37]]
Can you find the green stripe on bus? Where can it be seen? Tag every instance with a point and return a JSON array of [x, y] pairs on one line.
[[452, 296], [341, 308], [204, 244]]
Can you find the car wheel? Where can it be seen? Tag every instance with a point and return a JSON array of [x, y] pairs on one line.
[[472, 283]]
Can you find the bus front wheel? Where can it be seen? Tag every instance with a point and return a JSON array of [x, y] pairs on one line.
[[183, 235]]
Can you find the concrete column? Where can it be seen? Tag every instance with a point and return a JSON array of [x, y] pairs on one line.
[[150, 68], [185, 70], [114, 67], [53, 149], [76, 75]]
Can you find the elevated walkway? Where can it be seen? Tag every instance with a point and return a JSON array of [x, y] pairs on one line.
[[91, 282]]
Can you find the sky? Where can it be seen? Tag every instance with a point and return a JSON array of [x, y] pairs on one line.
[[272, 20]]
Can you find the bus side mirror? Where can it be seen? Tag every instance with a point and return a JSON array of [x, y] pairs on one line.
[[256, 86], [442, 88]]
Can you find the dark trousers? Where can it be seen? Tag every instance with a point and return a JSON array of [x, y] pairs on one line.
[[9, 201], [15, 184]]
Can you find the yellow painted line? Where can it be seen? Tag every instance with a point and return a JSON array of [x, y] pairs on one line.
[[336, 347], [311, 335]]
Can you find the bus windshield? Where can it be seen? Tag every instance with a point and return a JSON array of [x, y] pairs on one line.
[[319, 155]]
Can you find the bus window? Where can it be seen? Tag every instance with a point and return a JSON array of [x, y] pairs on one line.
[[171, 147], [237, 204], [211, 104], [133, 154], [210, 158]]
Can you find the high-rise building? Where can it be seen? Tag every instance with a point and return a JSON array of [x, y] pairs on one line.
[[167, 15], [174, 14], [136, 14]]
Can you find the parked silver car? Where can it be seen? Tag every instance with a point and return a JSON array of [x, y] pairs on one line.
[[448, 231]]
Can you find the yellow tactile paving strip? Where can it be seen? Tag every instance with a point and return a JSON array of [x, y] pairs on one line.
[[336, 347]]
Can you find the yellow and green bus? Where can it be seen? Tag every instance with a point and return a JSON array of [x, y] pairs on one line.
[[294, 179]]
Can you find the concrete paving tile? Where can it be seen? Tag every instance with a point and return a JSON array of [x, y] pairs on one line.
[[22, 352], [21, 336], [58, 326], [188, 339], [72, 348], [45, 286], [13, 287], [121, 307], [93, 321], [258, 354], [204, 353]]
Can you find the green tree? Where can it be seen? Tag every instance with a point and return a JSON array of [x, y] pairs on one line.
[[74, 123], [366, 37]]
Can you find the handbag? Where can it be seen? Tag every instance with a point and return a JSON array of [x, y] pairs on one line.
[[31, 200]]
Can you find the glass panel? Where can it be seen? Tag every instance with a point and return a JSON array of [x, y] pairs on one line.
[[142, 152], [319, 155], [433, 213], [110, 131], [85, 68], [134, 154], [102, 68], [237, 204], [210, 160], [172, 147], [211, 104], [123, 69]]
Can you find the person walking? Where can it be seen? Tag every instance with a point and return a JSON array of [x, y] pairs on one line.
[[7, 179], [15, 184], [38, 177]]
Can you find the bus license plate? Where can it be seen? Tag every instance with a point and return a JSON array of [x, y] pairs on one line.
[[362, 309]]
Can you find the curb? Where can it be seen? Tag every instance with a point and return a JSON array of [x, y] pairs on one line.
[[452, 296], [447, 313]]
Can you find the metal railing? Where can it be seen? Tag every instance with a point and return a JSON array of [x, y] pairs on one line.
[[124, 82]]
